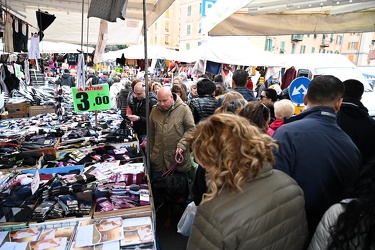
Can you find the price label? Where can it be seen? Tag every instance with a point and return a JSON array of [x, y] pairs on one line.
[[91, 98]]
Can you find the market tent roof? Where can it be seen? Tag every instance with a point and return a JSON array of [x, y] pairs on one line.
[[67, 25], [288, 17], [61, 47], [138, 52], [230, 50]]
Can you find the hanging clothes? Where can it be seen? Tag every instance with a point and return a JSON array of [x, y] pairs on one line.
[[289, 75], [8, 47], [26, 71], [108, 10], [102, 41], [3, 86], [34, 50], [16, 35], [24, 36], [81, 81]]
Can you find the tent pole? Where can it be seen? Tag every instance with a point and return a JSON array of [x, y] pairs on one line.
[[146, 86], [83, 9]]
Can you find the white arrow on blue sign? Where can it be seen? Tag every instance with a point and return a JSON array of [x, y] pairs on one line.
[[298, 89]]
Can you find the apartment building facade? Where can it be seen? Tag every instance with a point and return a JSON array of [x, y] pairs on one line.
[[180, 28]]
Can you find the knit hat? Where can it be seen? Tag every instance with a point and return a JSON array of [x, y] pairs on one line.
[[205, 86]]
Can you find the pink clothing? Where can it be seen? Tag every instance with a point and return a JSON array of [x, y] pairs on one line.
[[274, 126]]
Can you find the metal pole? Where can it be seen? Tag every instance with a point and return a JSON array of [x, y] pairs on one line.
[[83, 10], [146, 85]]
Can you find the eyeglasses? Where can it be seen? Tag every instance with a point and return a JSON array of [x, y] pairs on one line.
[[262, 96]]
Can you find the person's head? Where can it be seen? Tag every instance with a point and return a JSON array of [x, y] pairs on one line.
[[156, 87], [325, 90], [230, 96], [353, 89], [124, 75], [105, 72], [183, 76], [231, 150], [257, 114], [180, 91], [116, 79], [268, 95], [91, 72], [239, 78], [177, 80], [219, 78], [66, 71], [232, 107], [205, 87], [219, 90], [165, 98], [140, 90], [283, 108], [193, 90], [135, 81]]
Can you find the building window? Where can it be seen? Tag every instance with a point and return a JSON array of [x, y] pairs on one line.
[[303, 49], [269, 45], [167, 13], [312, 50], [187, 46], [188, 29], [199, 28], [339, 40], [293, 48], [282, 47], [322, 51], [156, 26], [199, 44], [308, 35], [189, 11], [331, 38], [166, 26], [353, 45], [315, 36], [166, 39]]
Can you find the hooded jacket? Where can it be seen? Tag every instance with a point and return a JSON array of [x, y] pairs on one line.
[[354, 119], [168, 131], [319, 156], [267, 214], [67, 80]]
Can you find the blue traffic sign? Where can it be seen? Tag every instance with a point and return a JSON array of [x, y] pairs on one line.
[[298, 89]]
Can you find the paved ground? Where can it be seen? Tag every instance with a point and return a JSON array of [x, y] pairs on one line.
[[169, 239]]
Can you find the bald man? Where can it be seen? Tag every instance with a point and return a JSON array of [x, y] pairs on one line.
[[171, 122], [138, 116]]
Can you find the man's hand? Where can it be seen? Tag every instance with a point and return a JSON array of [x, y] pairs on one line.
[[134, 118]]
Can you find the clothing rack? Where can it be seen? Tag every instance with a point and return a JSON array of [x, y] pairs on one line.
[[7, 9]]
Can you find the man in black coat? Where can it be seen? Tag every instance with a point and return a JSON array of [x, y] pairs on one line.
[[138, 116], [354, 119]]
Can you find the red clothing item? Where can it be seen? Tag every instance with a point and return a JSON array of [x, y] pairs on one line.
[[274, 126], [250, 84]]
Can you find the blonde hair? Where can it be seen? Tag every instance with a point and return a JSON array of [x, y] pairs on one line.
[[228, 99], [283, 108], [232, 150]]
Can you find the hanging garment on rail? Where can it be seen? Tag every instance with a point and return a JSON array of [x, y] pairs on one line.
[[8, 34], [20, 35], [108, 10], [34, 50]]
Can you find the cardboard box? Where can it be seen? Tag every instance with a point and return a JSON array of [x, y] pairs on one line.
[[22, 107], [18, 115], [36, 110]]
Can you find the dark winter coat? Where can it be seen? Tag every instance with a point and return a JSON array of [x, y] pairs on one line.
[[139, 109], [202, 107], [319, 156], [354, 119], [67, 80]]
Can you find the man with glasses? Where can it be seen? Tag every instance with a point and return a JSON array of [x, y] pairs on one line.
[[138, 116]]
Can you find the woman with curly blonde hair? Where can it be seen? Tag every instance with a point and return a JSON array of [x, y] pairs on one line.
[[248, 205]]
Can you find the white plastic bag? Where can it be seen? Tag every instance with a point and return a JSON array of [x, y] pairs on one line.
[[187, 219]]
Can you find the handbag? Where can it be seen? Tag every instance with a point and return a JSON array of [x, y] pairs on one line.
[[187, 219]]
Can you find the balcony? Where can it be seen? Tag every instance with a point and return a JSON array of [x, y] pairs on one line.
[[297, 38]]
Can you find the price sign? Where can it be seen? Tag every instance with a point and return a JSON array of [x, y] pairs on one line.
[[91, 98]]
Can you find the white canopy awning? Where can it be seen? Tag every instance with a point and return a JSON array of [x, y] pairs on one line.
[[288, 17], [67, 25]]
